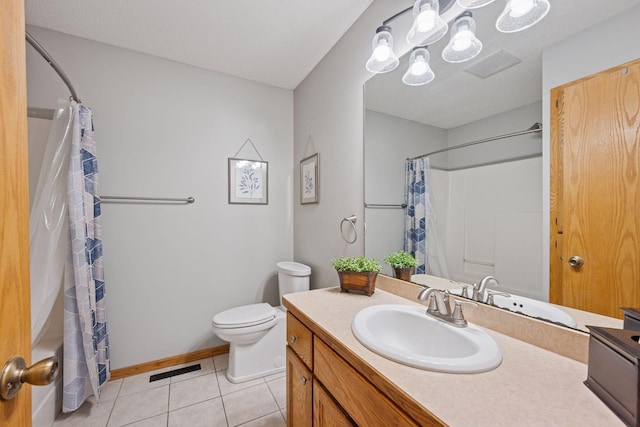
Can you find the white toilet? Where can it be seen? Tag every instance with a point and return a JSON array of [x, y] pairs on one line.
[[257, 332]]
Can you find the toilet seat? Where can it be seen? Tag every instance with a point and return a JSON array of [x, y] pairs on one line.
[[244, 316]]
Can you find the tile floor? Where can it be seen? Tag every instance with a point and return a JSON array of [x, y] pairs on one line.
[[199, 398]]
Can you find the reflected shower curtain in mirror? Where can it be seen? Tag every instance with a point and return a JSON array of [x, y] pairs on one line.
[[86, 348], [416, 217], [421, 237]]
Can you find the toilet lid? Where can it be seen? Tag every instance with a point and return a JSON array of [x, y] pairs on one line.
[[246, 315]]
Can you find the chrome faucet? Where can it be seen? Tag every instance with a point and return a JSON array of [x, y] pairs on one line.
[[440, 309], [479, 290]]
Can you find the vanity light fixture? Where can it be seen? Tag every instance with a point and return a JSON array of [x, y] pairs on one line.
[[519, 15], [428, 26], [383, 59], [463, 45], [419, 72]]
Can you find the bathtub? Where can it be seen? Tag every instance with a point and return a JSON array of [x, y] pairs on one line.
[[47, 400]]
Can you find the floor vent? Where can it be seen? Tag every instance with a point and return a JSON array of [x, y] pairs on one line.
[[169, 374]]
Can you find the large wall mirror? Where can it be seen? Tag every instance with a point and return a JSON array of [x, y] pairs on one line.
[[486, 199]]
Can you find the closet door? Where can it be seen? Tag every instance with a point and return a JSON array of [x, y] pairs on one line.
[[15, 305], [595, 189]]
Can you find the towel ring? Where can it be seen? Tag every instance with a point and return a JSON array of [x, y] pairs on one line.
[[351, 220]]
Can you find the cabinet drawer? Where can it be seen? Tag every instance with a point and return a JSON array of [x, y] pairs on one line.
[[357, 396], [300, 339]]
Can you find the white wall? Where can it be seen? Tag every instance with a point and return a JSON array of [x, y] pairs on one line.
[[596, 49], [328, 106], [166, 129]]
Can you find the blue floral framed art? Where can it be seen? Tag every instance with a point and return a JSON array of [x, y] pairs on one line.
[[248, 182], [309, 179]]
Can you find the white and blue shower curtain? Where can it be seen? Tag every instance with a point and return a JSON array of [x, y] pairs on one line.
[[86, 344], [417, 212]]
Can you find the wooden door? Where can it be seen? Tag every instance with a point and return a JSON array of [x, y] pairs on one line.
[[15, 305], [595, 192]]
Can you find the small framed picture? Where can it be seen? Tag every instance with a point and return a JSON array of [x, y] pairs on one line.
[[248, 182], [309, 180]]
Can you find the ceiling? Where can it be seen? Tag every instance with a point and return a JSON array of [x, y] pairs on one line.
[[276, 42], [470, 97]]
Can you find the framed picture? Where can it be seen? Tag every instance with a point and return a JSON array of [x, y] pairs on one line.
[[248, 182], [309, 180]]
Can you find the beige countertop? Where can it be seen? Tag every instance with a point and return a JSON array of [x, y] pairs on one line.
[[532, 386]]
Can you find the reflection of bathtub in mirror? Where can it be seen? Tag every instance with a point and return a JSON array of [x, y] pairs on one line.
[[561, 315]]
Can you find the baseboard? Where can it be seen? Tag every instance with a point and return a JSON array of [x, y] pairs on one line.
[[168, 362]]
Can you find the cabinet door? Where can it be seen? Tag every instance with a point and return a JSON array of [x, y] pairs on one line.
[[326, 412], [299, 392]]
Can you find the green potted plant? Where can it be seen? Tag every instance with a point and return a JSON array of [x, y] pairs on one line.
[[403, 264], [357, 274]]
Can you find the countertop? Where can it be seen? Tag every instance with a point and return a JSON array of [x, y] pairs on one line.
[[532, 386]]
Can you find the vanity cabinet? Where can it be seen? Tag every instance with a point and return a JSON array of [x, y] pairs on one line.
[[323, 389]]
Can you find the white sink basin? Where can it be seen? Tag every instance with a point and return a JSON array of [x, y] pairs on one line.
[[534, 308], [406, 334]]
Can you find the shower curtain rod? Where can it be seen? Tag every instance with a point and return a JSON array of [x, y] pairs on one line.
[[536, 127], [38, 47]]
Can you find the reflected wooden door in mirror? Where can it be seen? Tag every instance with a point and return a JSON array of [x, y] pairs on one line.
[[595, 193]]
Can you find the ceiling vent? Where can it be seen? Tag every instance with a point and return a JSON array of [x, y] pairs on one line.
[[493, 64]]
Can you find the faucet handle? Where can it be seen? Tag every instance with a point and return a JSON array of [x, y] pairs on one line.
[[465, 290], [457, 316], [433, 304], [491, 293]]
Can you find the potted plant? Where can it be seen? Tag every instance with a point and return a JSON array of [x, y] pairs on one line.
[[403, 264], [357, 274]]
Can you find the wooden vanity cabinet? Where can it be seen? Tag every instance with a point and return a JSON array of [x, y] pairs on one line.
[[323, 389]]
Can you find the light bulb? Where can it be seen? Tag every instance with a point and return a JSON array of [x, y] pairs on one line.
[[419, 67], [520, 8], [462, 40], [419, 72], [474, 4], [426, 20], [382, 51], [519, 15], [463, 45], [382, 58], [428, 27]]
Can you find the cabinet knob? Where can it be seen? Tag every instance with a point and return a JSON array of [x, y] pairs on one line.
[[303, 380], [292, 339]]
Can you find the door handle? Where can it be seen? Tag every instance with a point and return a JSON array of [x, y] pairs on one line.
[[15, 373], [576, 261]]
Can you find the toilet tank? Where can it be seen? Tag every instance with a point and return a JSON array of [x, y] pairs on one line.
[[292, 277]]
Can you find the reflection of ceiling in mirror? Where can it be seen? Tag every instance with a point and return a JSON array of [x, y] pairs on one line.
[[456, 90]]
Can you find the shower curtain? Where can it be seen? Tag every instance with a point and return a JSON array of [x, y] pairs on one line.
[[48, 224], [421, 226], [86, 344]]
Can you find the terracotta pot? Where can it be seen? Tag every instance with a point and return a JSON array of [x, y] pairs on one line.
[[355, 281], [403, 273]]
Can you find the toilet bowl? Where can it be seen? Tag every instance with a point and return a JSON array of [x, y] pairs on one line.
[[257, 332]]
